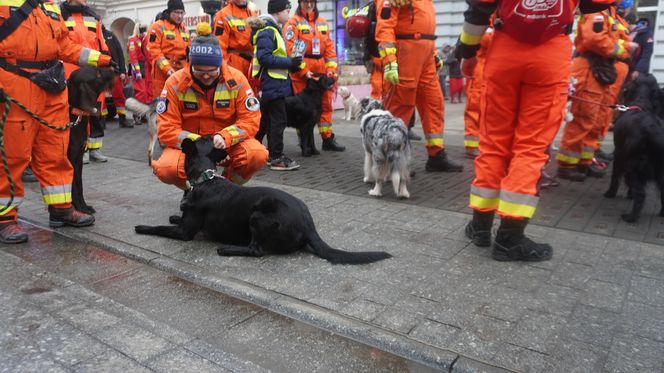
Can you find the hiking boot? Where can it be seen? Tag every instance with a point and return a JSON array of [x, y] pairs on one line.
[[283, 163], [571, 174], [331, 145], [511, 244], [413, 136], [12, 232], [28, 176], [440, 163], [86, 157], [68, 216], [603, 157], [547, 180], [592, 170], [122, 121], [479, 229], [96, 156]]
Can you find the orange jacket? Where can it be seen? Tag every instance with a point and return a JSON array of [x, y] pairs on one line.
[[186, 111], [415, 21], [85, 30], [138, 52], [168, 45], [308, 30], [603, 33], [231, 29]]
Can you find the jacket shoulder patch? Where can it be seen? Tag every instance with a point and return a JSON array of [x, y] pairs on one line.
[[252, 104]]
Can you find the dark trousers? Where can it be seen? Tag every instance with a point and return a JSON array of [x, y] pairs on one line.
[[273, 124]]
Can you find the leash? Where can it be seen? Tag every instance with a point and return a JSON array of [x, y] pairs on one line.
[[3, 154], [617, 107]]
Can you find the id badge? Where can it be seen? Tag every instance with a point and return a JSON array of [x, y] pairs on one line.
[[315, 46]]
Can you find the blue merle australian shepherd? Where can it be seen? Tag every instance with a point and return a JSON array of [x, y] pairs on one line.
[[386, 148]]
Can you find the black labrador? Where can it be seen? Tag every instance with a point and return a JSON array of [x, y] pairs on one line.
[[304, 109], [639, 143], [248, 221], [84, 86]]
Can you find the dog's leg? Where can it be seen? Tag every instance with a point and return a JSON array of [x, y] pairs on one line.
[[637, 186], [616, 175], [75, 151], [170, 231], [377, 189], [368, 164], [175, 219], [233, 250], [399, 184]]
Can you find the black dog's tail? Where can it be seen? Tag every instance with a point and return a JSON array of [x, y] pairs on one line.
[[321, 249]]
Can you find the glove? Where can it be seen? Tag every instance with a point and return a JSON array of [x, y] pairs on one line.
[[439, 62], [391, 72], [3, 96], [333, 75], [295, 64], [468, 66]]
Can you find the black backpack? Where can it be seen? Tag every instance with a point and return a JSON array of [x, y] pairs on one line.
[[370, 43]]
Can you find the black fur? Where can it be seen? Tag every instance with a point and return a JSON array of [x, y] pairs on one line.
[[84, 86], [304, 110], [247, 221], [639, 144]]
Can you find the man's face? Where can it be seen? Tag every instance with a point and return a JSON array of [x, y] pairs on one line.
[[282, 17], [177, 16], [206, 74]]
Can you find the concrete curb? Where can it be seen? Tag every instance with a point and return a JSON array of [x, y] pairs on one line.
[[288, 306]]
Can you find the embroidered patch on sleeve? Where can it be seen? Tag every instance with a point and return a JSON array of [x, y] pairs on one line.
[[252, 104], [162, 106]]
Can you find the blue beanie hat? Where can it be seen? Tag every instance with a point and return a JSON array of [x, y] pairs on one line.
[[625, 4], [205, 49]]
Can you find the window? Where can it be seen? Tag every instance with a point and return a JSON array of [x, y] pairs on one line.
[[349, 50]]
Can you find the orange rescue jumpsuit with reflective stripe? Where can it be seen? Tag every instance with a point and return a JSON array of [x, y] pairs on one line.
[[168, 45], [41, 37], [377, 86], [595, 34], [471, 115], [320, 57], [402, 28], [187, 111], [234, 35], [139, 62]]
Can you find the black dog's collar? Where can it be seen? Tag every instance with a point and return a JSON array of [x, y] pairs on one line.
[[206, 175]]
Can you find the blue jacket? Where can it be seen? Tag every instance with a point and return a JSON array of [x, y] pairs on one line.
[[265, 44], [645, 39]]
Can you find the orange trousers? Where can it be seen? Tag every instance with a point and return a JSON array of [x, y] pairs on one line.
[[471, 114], [29, 142], [418, 87], [605, 117], [246, 158], [521, 110], [377, 86], [234, 60], [317, 65]]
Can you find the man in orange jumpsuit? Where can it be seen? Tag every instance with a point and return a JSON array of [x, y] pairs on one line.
[[139, 58], [26, 140], [235, 34], [209, 98], [602, 38], [471, 115], [405, 38], [85, 29], [526, 74], [320, 57], [168, 42]]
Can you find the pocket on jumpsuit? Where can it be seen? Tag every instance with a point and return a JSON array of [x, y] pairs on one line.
[[587, 105]]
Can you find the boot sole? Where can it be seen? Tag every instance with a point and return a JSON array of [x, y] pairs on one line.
[[20, 240], [60, 224], [481, 240], [502, 257]]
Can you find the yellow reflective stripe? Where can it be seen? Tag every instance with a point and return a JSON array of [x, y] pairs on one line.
[[324, 127], [619, 48], [90, 24], [515, 209], [332, 64], [121, 111], [52, 8], [482, 202], [469, 39], [14, 3], [161, 62], [169, 32], [387, 51], [471, 143], [189, 96], [56, 194], [104, 112], [93, 59], [95, 143], [321, 28], [434, 140], [7, 210], [236, 22], [225, 95], [186, 135], [567, 159], [303, 26], [15, 203], [237, 134], [70, 24]]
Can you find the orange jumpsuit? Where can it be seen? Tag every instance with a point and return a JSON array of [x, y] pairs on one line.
[[86, 31], [377, 86], [411, 31], [139, 60], [597, 33], [168, 44], [521, 109], [471, 115], [26, 140], [320, 56], [234, 36], [231, 110]]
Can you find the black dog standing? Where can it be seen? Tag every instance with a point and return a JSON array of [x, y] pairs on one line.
[[248, 221]]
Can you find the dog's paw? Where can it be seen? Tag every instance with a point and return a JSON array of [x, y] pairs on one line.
[[175, 219], [223, 252], [141, 229], [630, 218], [404, 195], [375, 193], [368, 180], [610, 194]]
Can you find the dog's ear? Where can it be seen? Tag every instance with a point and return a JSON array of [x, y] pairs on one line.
[[218, 155], [189, 147]]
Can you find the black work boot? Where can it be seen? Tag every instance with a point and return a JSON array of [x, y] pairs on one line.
[[479, 229], [12, 232], [440, 163], [28, 176], [571, 174], [331, 145], [124, 123], [592, 171], [413, 136], [511, 244], [68, 216]]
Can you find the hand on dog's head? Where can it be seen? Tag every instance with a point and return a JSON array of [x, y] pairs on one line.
[[201, 155], [85, 85]]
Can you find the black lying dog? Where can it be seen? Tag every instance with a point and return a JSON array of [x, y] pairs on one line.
[[304, 110], [249, 221], [84, 86], [639, 143]]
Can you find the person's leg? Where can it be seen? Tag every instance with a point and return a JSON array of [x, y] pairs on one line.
[[246, 158], [169, 168], [96, 139]]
